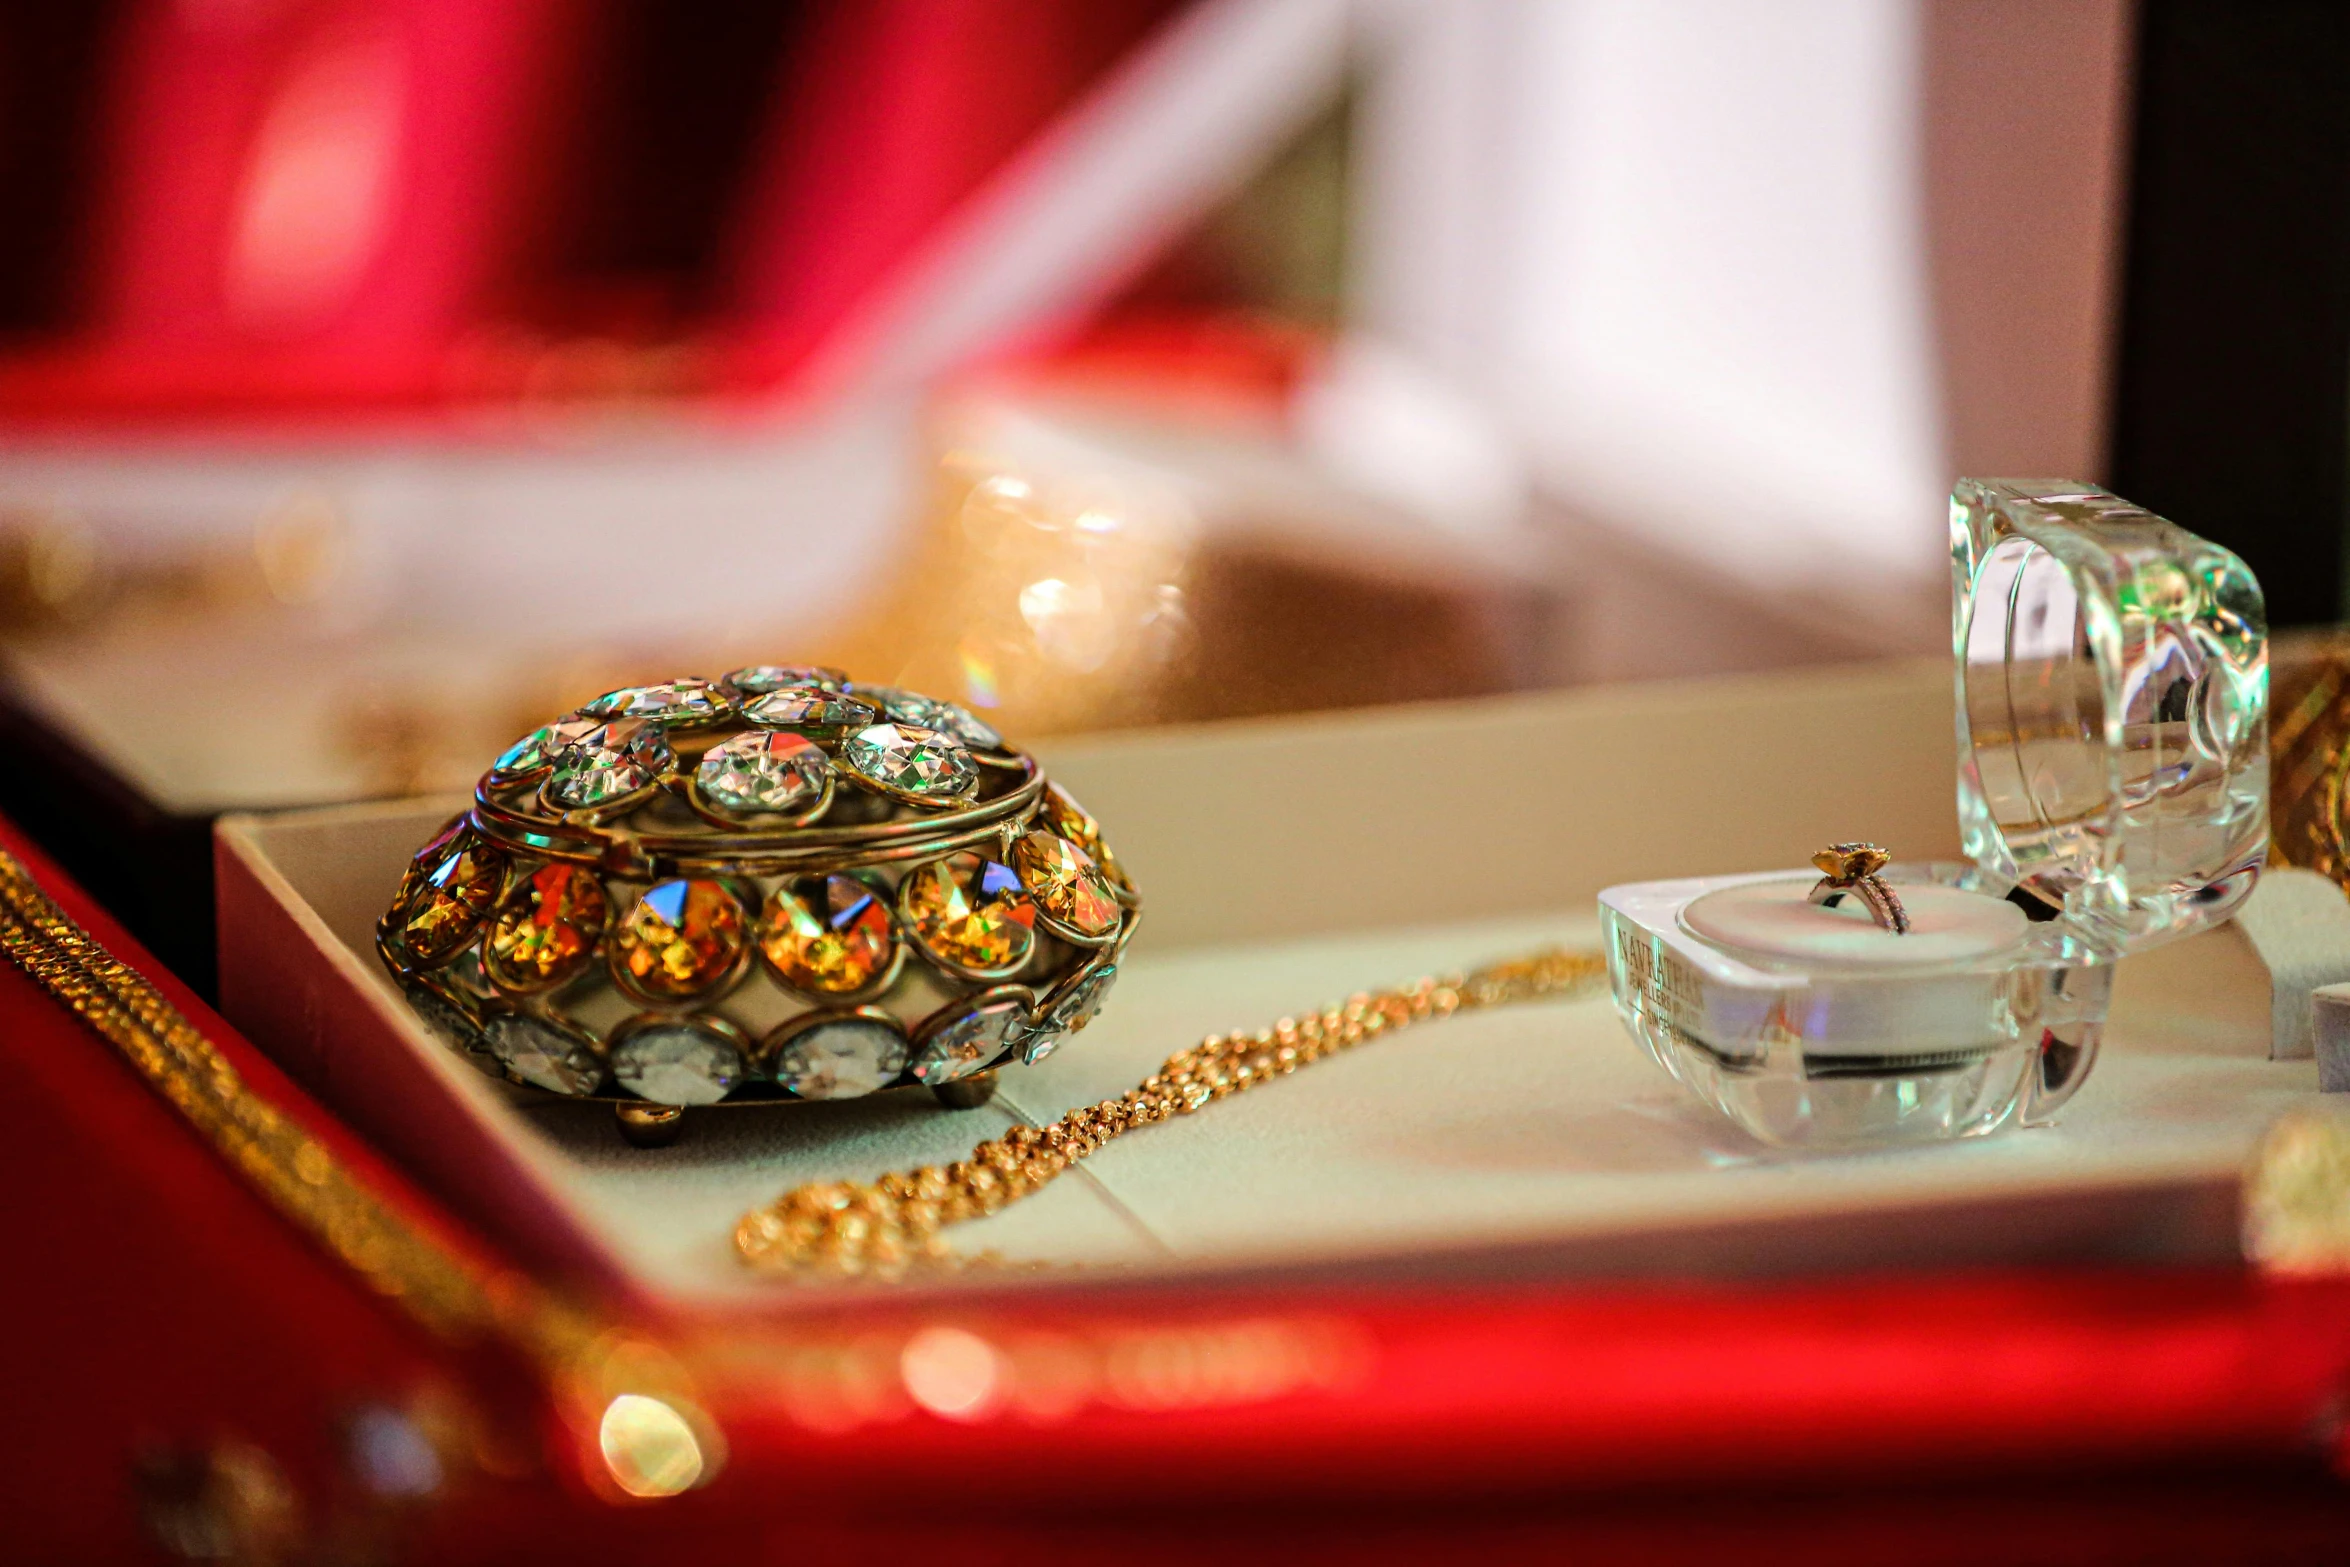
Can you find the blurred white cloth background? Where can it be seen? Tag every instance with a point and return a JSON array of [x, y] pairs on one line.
[[1677, 247], [1748, 286]]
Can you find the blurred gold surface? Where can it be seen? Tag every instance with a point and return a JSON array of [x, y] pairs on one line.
[[1061, 587], [2309, 750]]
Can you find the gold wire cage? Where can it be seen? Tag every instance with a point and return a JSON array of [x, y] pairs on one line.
[[778, 885]]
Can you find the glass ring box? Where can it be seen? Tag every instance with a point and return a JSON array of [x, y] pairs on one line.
[[2112, 683]]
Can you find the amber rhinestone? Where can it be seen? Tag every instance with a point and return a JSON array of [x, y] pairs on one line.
[[428, 858], [830, 939], [678, 939], [448, 893], [1066, 884], [1060, 811], [548, 930], [970, 912]]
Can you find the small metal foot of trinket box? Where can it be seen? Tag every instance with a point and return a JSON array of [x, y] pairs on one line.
[[2112, 692], [780, 885]]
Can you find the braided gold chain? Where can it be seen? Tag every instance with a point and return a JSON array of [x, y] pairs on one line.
[[448, 1293], [882, 1228]]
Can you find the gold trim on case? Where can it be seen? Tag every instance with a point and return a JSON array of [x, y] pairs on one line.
[[451, 1295]]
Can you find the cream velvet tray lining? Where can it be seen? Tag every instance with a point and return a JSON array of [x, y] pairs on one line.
[[1282, 863], [1531, 1125]]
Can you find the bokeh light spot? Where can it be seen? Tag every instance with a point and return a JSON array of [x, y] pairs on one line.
[[953, 1374], [649, 1447]]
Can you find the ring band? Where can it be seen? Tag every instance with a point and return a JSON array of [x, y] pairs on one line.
[[1853, 867]]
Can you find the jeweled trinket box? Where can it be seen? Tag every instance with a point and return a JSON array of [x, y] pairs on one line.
[[778, 885], [2112, 681]]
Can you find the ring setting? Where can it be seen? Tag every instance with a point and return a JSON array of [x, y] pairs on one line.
[[1852, 868]]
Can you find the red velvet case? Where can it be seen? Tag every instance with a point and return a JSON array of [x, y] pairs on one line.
[[160, 1309]]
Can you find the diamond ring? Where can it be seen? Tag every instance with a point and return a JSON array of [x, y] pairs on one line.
[[1853, 867]]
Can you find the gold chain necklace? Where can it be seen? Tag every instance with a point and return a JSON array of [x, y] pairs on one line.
[[879, 1229]]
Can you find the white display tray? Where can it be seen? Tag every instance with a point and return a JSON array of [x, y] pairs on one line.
[[1284, 864]]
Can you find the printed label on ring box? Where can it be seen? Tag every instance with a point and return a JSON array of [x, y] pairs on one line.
[[1667, 989]]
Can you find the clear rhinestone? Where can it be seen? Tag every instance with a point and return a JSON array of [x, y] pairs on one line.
[[912, 707], [540, 1053], [970, 1043], [1083, 1002], [759, 679], [763, 774], [448, 1021], [911, 763], [670, 702], [808, 707], [841, 1058], [677, 1064], [537, 749], [607, 762], [1068, 1013]]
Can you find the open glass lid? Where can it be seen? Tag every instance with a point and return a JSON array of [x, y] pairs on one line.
[[2112, 684], [2112, 709]]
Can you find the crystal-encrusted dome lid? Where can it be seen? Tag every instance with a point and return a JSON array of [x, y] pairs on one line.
[[779, 883]]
